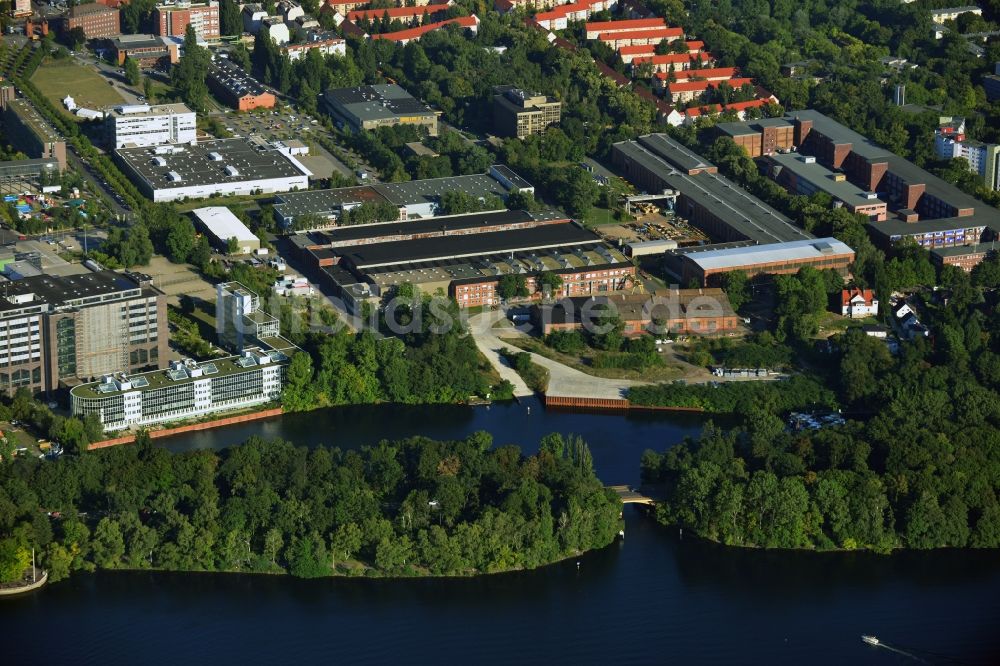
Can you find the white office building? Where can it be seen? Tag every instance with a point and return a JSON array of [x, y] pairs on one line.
[[186, 390], [142, 125]]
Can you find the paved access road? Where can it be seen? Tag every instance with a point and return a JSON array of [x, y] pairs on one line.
[[563, 380]]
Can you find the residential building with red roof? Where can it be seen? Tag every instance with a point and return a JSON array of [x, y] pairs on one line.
[[407, 15], [558, 18], [404, 37], [595, 28], [504, 6], [673, 61], [690, 115], [629, 53], [857, 302], [662, 79], [653, 36], [685, 91]]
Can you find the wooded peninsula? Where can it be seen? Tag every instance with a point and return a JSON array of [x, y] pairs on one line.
[[416, 507]]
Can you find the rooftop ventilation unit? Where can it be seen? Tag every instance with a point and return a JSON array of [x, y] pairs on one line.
[[231, 170], [174, 176]]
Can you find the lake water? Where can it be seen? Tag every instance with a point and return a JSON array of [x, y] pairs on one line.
[[653, 598]]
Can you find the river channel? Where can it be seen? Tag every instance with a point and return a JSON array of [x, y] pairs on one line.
[[655, 597]]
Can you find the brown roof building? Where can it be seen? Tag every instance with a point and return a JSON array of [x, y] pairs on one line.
[[677, 311]]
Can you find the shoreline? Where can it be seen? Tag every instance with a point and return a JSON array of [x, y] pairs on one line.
[[363, 575], [190, 427], [560, 403]]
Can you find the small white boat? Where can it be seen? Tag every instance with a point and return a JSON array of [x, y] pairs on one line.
[[871, 640]]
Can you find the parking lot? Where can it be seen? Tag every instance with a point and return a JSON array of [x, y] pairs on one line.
[[270, 124], [287, 123], [176, 280]]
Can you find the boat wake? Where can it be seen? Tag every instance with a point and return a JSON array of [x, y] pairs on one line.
[[876, 643]]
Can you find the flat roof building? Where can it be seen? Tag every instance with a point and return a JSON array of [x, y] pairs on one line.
[[921, 207], [237, 88], [145, 50], [414, 198], [221, 225], [144, 125], [707, 266], [468, 259], [28, 132], [371, 107], [58, 330], [185, 390], [226, 167], [43, 169], [171, 20], [241, 321], [711, 202], [518, 113], [802, 174]]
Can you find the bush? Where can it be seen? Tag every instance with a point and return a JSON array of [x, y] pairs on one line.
[[566, 342]]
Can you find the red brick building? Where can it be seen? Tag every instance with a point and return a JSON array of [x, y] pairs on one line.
[[96, 20], [677, 311], [172, 20]]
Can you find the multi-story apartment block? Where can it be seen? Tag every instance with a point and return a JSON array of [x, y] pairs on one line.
[[950, 141], [520, 114], [56, 331], [172, 20], [96, 20], [144, 125]]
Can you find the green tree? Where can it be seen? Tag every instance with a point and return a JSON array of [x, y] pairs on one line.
[[108, 544], [550, 283], [188, 75], [273, 543], [512, 285], [230, 21], [132, 73], [737, 288], [15, 558], [345, 542]]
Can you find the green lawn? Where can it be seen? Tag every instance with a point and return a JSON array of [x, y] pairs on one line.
[[58, 78]]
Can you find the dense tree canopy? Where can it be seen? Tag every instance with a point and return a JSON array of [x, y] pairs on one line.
[[921, 469], [411, 507]]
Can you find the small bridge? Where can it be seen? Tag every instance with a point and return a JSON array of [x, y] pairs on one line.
[[629, 496]]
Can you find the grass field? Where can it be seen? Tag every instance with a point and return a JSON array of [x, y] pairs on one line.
[[58, 78]]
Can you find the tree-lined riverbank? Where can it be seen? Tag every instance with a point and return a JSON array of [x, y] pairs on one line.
[[415, 507]]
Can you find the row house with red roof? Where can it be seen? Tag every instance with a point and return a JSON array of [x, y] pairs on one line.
[[470, 23], [558, 18]]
